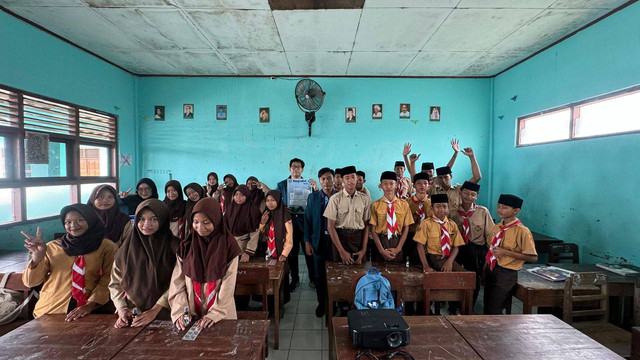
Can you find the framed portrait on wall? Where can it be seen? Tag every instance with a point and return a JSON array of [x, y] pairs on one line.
[[158, 113], [221, 112], [350, 114], [434, 113], [376, 111], [263, 115], [187, 111], [405, 111]]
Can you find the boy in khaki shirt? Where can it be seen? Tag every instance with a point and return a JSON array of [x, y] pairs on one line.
[[420, 205], [439, 238], [511, 244], [347, 214], [404, 187], [390, 220]]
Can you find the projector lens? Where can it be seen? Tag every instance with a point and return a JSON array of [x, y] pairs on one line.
[[394, 339]]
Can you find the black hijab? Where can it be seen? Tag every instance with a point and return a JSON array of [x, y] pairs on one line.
[[177, 206], [134, 200], [88, 242], [113, 219], [215, 187], [280, 216], [228, 191]]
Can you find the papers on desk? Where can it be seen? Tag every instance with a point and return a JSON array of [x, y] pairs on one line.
[[551, 273], [617, 269]]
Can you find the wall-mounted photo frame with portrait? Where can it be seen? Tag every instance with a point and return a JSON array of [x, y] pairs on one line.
[[263, 115], [158, 113], [221, 112], [350, 114], [435, 113], [376, 111], [405, 111], [187, 111]]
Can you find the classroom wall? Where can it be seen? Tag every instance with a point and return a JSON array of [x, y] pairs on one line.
[[243, 146], [35, 61], [580, 191]]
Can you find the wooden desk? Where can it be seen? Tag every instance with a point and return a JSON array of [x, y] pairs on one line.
[[527, 337], [94, 337], [432, 337], [276, 275], [13, 261], [50, 337], [535, 291], [233, 339], [543, 242], [339, 278]]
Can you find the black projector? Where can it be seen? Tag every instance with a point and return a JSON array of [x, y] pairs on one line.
[[378, 329]]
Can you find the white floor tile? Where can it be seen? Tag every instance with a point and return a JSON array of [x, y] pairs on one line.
[[308, 322], [306, 340], [305, 355]]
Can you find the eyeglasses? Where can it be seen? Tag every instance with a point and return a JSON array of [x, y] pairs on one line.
[[397, 353]]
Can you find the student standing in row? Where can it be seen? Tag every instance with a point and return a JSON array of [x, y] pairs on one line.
[[316, 234], [404, 188], [296, 168], [243, 218], [420, 206], [226, 194], [443, 185], [348, 214], [143, 265], [475, 223], [145, 189], [337, 180], [75, 269], [511, 244], [204, 278], [212, 188], [177, 206], [115, 222], [427, 167], [194, 193], [360, 184], [390, 220]]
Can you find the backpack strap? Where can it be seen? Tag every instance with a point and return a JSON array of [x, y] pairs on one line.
[[5, 278], [373, 271]]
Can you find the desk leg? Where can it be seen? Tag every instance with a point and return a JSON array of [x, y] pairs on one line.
[[276, 314], [527, 308]]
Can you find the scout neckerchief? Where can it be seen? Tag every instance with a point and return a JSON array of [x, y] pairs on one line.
[[210, 296], [445, 239], [465, 221], [392, 224], [497, 240], [420, 212], [78, 290], [399, 190], [271, 242]]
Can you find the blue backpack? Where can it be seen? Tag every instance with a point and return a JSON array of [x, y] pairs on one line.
[[373, 291]]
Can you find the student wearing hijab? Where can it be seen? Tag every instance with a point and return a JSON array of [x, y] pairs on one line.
[[114, 221], [75, 269], [243, 218], [143, 265], [177, 206], [204, 278], [145, 189], [226, 194], [212, 188], [194, 193]]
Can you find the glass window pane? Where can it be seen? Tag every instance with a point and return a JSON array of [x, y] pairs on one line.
[[47, 200], [94, 160], [544, 128], [616, 115], [6, 206], [57, 166], [86, 189], [3, 159]]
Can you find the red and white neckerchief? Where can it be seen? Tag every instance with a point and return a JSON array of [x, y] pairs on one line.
[[222, 201], [465, 222], [210, 296], [271, 242], [420, 212], [392, 224], [180, 227], [497, 240], [399, 192], [445, 238], [78, 290]]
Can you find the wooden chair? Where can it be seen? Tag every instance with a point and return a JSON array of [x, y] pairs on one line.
[[607, 334], [255, 277], [450, 286], [396, 281], [564, 251]]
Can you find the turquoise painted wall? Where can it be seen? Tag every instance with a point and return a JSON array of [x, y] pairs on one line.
[[243, 146], [35, 61], [580, 191]]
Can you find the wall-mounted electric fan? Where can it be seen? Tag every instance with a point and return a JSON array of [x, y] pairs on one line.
[[310, 98]]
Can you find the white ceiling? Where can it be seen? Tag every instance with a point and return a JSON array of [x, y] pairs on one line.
[[385, 38]]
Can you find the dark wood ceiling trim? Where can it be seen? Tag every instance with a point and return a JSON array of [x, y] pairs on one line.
[[289, 77]]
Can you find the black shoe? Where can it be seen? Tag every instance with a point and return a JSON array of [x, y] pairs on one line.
[[320, 311], [312, 285], [294, 285]]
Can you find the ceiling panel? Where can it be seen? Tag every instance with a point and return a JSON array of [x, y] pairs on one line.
[[259, 63], [379, 63], [588, 4], [490, 64], [129, 3], [398, 29], [141, 62], [478, 29], [159, 29], [193, 62], [228, 4], [316, 63], [317, 30], [440, 63], [411, 3], [238, 29], [47, 3], [506, 4]]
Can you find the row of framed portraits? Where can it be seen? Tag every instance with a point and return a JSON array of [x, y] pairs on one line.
[[350, 115]]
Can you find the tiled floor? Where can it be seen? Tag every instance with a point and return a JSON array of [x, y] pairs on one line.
[[304, 337]]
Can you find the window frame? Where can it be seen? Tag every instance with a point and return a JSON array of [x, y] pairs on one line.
[[15, 159], [572, 120]]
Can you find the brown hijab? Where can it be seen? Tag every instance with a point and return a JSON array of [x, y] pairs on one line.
[[215, 187], [88, 242], [228, 191], [177, 206], [206, 259], [242, 218], [146, 262], [113, 219], [280, 215]]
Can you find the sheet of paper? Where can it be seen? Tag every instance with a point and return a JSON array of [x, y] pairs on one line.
[[192, 334]]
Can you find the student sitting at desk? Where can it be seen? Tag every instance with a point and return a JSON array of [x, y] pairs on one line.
[[204, 278], [75, 269], [115, 222], [511, 244], [142, 269]]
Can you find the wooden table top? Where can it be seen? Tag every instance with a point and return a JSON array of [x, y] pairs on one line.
[[231, 339], [276, 271], [533, 282], [527, 337], [13, 261], [432, 337]]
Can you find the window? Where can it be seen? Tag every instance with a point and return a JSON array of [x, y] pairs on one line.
[[611, 114], [52, 154]]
